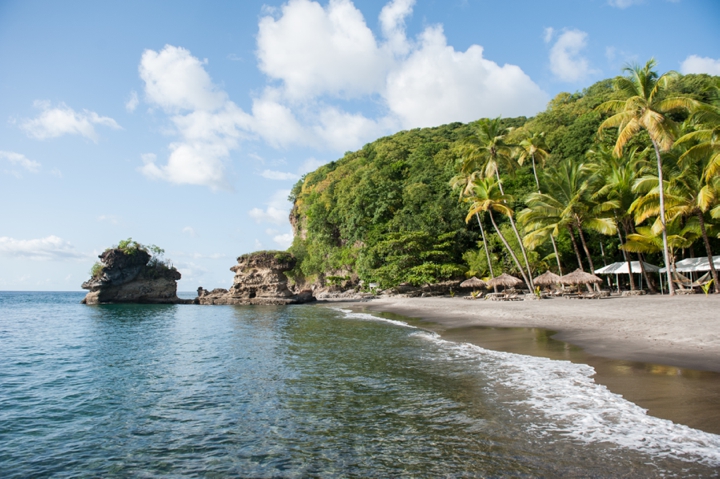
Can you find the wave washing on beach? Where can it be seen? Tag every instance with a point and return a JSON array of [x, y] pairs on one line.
[[577, 407]]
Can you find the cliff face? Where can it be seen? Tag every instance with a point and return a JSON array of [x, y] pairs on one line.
[[259, 279], [127, 278]]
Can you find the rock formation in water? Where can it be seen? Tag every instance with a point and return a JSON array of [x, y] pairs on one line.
[[259, 279], [128, 275]]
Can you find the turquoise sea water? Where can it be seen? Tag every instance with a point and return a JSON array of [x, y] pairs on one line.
[[303, 391]]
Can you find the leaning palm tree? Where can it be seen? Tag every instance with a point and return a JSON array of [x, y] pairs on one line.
[[533, 146], [616, 178], [486, 151], [566, 205], [487, 197], [464, 183], [646, 108]]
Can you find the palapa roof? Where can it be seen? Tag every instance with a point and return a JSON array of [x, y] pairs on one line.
[[547, 278], [505, 280], [473, 283], [580, 277]]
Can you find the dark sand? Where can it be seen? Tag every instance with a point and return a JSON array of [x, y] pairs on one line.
[[659, 352]]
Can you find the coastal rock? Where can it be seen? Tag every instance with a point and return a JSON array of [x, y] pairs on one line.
[[130, 277], [259, 279]]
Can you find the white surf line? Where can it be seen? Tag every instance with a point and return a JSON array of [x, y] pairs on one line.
[[369, 317], [583, 410]]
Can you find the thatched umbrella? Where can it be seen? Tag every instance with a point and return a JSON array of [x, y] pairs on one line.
[[548, 278], [506, 281], [580, 277], [473, 283]]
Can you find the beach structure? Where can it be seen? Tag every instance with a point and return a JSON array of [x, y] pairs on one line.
[[578, 277], [694, 265], [621, 267], [506, 281], [473, 283], [548, 278]]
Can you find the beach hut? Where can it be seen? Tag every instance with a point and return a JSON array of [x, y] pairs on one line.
[[580, 277], [506, 281], [694, 265], [548, 278], [621, 267], [473, 283]]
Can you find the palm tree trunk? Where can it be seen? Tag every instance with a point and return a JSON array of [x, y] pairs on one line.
[[666, 254], [575, 247], [709, 251], [552, 240], [587, 251], [512, 253], [517, 235], [487, 252], [627, 258]]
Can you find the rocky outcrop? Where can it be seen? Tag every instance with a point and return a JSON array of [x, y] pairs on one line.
[[130, 277], [259, 279]]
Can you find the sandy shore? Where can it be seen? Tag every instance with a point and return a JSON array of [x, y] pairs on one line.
[[679, 331]]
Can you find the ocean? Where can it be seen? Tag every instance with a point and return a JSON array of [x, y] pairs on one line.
[[303, 391]]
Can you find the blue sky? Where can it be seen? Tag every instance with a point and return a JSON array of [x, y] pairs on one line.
[[184, 124]]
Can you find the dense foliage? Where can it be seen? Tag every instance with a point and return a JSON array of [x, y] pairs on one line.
[[389, 212]]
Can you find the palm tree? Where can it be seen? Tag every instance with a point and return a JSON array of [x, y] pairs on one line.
[[488, 197], [567, 204], [645, 108], [687, 196], [533, 146], [616, 178], [465, 183], [483, 153]]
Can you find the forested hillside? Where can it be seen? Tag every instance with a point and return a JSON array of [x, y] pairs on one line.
[[395, 211]]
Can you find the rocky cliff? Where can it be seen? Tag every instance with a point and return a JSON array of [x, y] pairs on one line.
[[259, 279], [129, 276]]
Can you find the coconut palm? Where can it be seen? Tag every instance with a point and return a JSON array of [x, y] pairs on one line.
[[615, 178], [464, 183], [487, 197], [533, 146], [486, 151], [646, 108], [567, 204]]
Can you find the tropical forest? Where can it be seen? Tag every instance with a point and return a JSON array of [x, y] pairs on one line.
[[625, 170]]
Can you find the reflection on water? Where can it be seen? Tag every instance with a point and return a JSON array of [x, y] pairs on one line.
[[685, 396]]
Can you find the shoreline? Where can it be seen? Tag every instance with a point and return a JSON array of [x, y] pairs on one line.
[[679, 331]]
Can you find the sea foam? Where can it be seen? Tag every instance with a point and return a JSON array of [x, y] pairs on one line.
[[573, 404]]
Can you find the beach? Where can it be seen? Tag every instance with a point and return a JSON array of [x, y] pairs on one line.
[[682, 331]]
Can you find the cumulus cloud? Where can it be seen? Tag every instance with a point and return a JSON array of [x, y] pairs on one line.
[[277, 210], [20, 160], [314, 54], [190, 231], [63, 120], [697, 64], [132, 102], [278, 175], [49, 248], [566, 62]]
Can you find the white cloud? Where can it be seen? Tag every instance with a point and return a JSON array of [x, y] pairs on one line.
[[20, 160], [566, 62], [132, 102], [63, 120], [697, 64], [624, 3], [277, 211], [548, 34], [190, 231], [49, 248], [311, 164], [175, 80], [284, 240], [109, 218], [258, 244], [278, 175], [316, 50]]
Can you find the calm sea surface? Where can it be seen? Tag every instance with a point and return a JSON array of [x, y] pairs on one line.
[[303, 391]]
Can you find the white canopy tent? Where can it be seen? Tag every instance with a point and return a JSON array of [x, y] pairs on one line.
[[694, 265], [621, 267]]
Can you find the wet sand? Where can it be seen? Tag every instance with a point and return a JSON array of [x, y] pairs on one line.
[[660, 353]]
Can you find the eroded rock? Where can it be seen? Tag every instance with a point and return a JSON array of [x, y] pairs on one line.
[[259, 279], [130, 277]]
